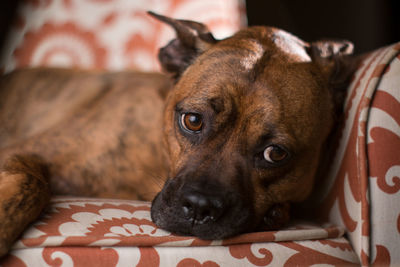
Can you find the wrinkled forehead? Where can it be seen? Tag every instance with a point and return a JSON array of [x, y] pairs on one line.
[[248, 52], [261, 41], [256, 58], [279, 44]]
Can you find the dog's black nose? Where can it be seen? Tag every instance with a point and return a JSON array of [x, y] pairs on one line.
[[201, 209]]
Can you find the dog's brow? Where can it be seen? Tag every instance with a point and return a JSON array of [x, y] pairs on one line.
[[217, 104], [195, 104], [271, 135], [263, 139]]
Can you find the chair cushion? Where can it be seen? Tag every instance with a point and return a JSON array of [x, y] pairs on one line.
[[107, 232]]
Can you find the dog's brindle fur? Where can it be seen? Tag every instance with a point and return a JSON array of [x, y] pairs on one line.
[[120, 134]]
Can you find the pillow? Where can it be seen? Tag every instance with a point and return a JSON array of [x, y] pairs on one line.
[[106, 34]]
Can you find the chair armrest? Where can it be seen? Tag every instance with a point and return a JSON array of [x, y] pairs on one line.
[[362, 190]]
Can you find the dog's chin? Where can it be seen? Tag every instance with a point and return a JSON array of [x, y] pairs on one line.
[[168, 217]]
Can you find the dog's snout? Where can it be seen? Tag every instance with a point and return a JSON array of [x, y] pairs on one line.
[[201, 209]]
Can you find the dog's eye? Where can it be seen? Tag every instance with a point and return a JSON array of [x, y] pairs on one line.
[[192, 122], [275, 154]]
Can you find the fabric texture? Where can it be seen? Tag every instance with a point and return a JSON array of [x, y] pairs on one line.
[[101, 232], [362, 191], [106, 34], [359, 200]]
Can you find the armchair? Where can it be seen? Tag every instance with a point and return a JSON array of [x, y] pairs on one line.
[[359, 201]]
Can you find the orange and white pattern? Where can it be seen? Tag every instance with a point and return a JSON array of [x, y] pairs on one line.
[[106, 34], [360, 197], [362, 192], [101, 232]]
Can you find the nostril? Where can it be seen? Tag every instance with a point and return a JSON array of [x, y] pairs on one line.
[[197, 201], [200, 209], [187, 210]]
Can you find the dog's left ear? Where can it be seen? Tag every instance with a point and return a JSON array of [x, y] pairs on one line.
[[335, 60], [193, 38]]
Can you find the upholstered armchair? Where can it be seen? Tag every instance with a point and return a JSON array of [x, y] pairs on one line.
[[358, 222]]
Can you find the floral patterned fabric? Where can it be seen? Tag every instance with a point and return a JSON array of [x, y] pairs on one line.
[[362, 192], [360, 197], [106, 34], [101, 232]]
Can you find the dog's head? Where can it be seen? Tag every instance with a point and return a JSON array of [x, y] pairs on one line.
[[245, 126]]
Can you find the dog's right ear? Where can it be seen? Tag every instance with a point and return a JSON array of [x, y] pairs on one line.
[[193, 38]]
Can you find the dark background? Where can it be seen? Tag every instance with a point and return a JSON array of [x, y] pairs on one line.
[[369, 24], [7, 12]]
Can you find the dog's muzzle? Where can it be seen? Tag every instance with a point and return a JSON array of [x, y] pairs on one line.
[[206, 210]]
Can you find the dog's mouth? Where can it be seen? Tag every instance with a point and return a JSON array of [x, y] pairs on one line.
[[210, 214]]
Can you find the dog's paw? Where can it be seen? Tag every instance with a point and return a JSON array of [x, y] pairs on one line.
[[277, 216], [24, 192]]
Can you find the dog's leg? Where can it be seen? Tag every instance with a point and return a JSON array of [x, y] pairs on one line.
[[24, 192]]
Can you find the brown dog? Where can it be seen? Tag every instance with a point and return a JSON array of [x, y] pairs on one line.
[[236, 140]]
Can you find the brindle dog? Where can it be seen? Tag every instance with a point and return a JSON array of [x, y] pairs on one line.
[[237, 138]]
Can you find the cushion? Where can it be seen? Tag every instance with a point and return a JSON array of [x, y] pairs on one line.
[[106, 232], [106, 34]]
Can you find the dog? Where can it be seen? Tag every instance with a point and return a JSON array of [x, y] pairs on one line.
[[236, 131]]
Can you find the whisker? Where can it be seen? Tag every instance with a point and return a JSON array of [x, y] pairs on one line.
[[155, 178], [148, 194]]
